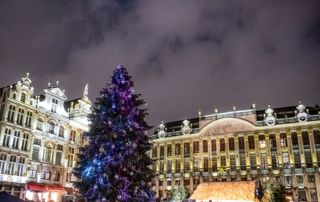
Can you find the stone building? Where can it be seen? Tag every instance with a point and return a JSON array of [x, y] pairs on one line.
[[280, 145], [39, 140]]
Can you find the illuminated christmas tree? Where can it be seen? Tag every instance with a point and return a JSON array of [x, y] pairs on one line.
[[114, 165]]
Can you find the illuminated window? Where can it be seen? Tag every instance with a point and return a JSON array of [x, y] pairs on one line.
[[262, 142], [286, 160], [196, 165]]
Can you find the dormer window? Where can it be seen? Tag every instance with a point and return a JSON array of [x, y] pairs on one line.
[[23, 97], [54, 105], [51, 127]]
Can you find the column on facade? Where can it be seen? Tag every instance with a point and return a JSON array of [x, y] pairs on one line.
[[2, 130], [313, 147], [290, 148], [268, 148], [301, 149], [279, 152], [246, 149], [6, 111]]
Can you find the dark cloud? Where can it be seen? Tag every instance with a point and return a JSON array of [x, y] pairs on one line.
[[183, 55]]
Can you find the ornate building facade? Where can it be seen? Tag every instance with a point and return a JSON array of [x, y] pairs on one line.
[[279, 145], [39, 140]]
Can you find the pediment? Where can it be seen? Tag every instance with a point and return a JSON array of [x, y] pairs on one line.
[[227, 125], [57, 92]]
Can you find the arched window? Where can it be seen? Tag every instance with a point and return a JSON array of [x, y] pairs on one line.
[[61, 131], [40, 124], [23, 97], [14, 96], [52, 126]]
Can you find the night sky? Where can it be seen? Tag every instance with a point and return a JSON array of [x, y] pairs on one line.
[[182, 55]]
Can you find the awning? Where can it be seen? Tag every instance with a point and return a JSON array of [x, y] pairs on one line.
[[36, 187], [55, 187], [32, 186]]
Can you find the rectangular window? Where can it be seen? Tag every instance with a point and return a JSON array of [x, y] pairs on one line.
[[273, 142], [169, 150], [286, 160], [35, 153], [186, 166], [12, 164], [58, 157], [72, 136], [71, 157], [214, 164], [69, 176], [297, 159], [16, 137], [20, 168], [28, 119], [262, 142], [253, 162], [196, 165], [316, 137], [264, 162], [305, 138], [6, 138], [33, 172], [37, 142], [283, 140], [251, 142], [313, 195], [231, 144], [161, 152], [186, 150], [154, 152], [213, 146], [61, 131], [205, 164], [177, 149], [20, 116], [274, 161], [177, 166], [241, 143], [233, 164], [3, 161], [223, 161], [11, 112], [205, 146], [196, 147], [48, 155], [243, 161], [294, 139], [222, 145], [308, 158], [25, 140], [169, 166], [161, 167]]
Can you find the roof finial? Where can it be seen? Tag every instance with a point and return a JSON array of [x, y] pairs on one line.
[[234, 107], [27, 74], [49, 84], [57, 82]]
